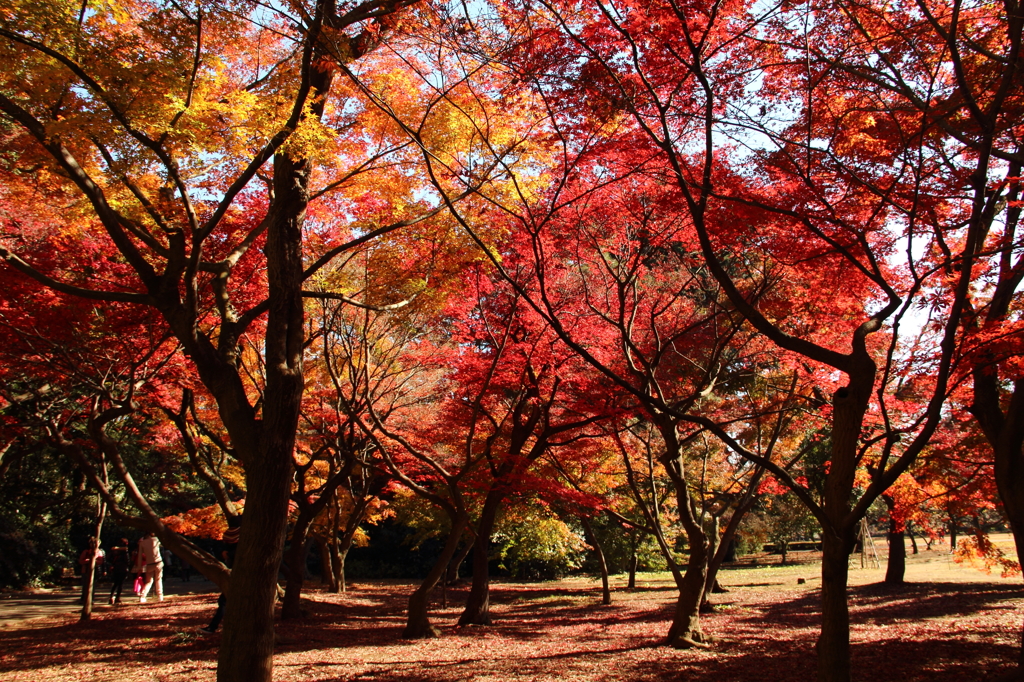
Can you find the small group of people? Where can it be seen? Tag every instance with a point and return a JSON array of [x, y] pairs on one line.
[[146, 562]]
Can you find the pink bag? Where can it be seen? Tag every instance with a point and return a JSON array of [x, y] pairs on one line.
[[138, 584]]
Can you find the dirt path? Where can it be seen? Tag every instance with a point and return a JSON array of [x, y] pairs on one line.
[[18, 608]]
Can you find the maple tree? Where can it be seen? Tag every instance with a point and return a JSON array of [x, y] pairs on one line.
[[679, 210], [803, 225], [191, 140]]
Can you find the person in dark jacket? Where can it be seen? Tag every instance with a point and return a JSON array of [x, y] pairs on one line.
[[119, 560]]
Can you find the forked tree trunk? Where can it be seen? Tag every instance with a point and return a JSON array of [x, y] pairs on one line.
[[685, 631], [727, 543], [456, 563], [418, 624], [477, 611], [344, 543], [247, 645]]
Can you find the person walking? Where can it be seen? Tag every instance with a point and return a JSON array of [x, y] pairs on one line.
[[149, 554], [119, 561]]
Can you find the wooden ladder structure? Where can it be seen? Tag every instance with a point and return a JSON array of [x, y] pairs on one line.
[[868, 553]]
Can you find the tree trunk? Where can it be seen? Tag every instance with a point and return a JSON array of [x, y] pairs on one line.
[[327, 578], [631, 585], [344, 543], [89, 579], [849, 406], [457, 561], [952, 533], [295, 569], [834, 641], [247, 645], [606, 592], [418, 624], [337, 564], [913, 540], [1010, 482], [896, 565], [1005, 433], [727, 545], [685, 631], [477, 611]]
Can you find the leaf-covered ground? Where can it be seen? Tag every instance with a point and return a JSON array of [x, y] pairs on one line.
[[961, 625]]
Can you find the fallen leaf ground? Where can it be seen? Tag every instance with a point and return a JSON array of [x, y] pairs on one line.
[[949, 623]]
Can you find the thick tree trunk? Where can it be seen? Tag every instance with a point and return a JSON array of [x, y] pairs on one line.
[[685, 631], [1010, 482], [606, 592], [1005, 433], [896, 566], [247, 646], [849, 406], [418, 624], [477, 611], [834, 641]]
